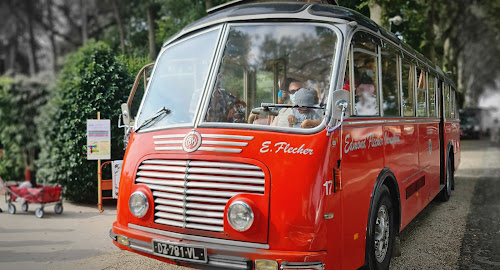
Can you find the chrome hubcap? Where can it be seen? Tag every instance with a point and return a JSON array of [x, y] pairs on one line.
[[382, 233]]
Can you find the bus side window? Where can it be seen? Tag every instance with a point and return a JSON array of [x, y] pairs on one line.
[[390, 83], [365, 74], [421, 93], [408, 80], [432, 96], [447, 102]]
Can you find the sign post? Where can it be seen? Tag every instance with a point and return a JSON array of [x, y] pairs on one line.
[[98, 147]]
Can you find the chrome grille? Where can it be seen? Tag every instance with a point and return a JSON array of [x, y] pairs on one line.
[[193, 194]]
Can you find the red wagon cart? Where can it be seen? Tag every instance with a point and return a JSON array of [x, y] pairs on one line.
[[40, 194]]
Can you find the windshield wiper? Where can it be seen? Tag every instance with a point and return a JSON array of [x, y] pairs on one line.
[[273, 105], [157, 116]]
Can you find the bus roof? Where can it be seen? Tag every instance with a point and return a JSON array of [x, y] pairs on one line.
[[257, 10]]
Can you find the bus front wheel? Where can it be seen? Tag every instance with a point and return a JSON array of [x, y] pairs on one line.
[[380, 231]]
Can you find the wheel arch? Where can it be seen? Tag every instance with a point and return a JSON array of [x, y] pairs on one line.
[[385, 177]]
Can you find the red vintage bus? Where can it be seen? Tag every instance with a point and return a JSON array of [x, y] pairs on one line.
[[284, 135]]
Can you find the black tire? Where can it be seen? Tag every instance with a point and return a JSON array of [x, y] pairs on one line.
[[380, 232], [58, 208], [445, 193], [24, 207], [12, 209], [39, 212]]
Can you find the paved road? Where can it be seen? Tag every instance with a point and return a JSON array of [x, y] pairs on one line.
[[481, 242], [463, 233]]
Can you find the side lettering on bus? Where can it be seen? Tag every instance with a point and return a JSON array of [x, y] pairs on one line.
[[285, 148], [370, 141]]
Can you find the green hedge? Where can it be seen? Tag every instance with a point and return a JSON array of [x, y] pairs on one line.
[[93, 79]]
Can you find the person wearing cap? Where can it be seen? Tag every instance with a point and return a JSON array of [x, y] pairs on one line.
[[304, 117], [281, 120]]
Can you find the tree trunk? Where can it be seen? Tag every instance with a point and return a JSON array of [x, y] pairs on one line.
[[151, 31], [33, 64], [429, 47], [375, 11], [85, 32], [52, 36], [209, 4], [116, 11]]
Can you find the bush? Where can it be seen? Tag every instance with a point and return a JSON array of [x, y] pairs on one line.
[[93, 79], [21, 99]]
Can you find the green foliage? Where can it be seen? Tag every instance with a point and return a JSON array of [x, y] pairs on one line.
[[93, 79], [21, 99]]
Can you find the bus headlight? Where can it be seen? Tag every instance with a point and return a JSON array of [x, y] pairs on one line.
[[240, 216], [138, 204]]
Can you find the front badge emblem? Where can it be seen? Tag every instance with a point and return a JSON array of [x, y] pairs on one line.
[[192, 141]]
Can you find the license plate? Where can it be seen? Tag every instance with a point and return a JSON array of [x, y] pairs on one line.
[[180, 251]]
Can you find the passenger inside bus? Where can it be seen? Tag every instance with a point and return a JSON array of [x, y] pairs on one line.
[[366, 99], [281, 120], [304, 117], [283, 98]]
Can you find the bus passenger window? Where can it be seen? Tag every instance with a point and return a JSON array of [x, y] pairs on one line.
[[447, 102], [432, 97], [390, 84], [408, 79], [421, 94]]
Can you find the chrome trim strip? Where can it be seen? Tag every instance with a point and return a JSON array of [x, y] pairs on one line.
[[212, 221], [204, 227], [226, 244], [169, 222], [255, 181], [168, 148], [168, 142], [212, 193], [388, 121], [205, 214], [165, 162], [175, 210], [210, 207], [225, 186], [226, 172], [215, 149], [161, 182], [224, 143], [141, 249], [206, 199], [223, 164], [419, 171], [170, 202], [169, 216], [168, 189], [168, 195], [222, 136], [169, 136]]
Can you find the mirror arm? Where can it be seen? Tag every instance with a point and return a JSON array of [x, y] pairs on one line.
[[329, 129]]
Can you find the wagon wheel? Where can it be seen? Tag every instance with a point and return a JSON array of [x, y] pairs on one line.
[[39, 212], [58, 208], [24, 207], [12, 209]]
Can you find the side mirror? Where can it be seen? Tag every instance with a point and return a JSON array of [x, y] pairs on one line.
[[341, 104], [126, 114]]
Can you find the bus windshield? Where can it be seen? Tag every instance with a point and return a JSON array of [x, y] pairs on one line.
[[280, 65], [268, 64], [178, 81]]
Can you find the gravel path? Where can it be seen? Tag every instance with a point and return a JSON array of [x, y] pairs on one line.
[[433, 239], [78, 239]]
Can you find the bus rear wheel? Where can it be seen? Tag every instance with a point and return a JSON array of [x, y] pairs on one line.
[[445, 194], [380, 231]]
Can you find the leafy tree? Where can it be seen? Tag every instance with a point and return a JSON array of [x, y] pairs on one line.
[[93, 79], [21, 99]]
